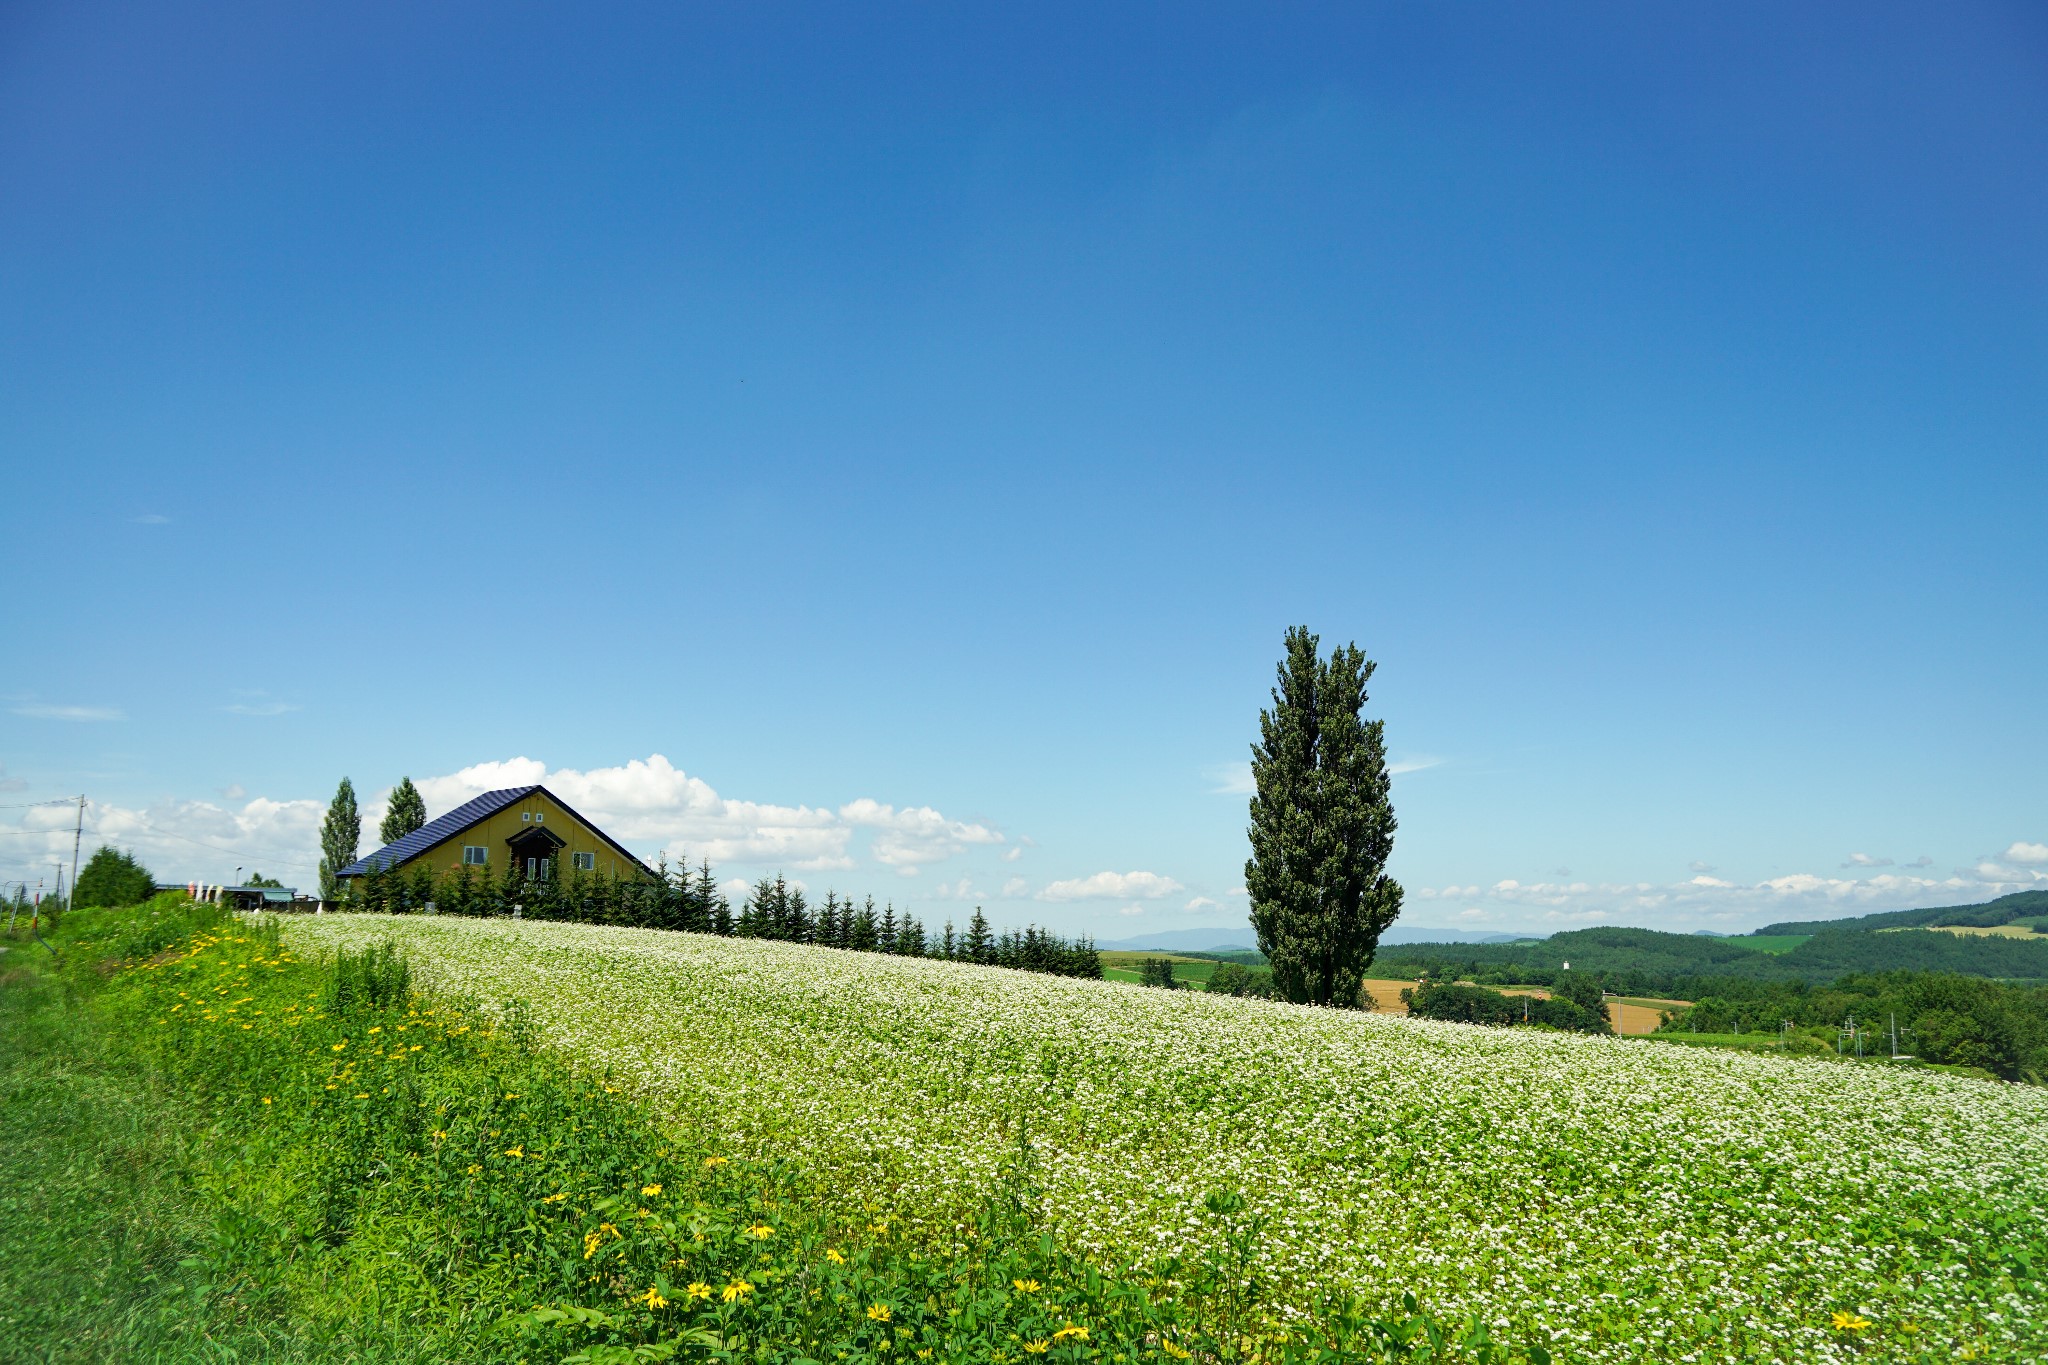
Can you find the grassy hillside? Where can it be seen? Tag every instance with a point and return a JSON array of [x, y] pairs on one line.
[[1613, 1198], [2018, 905]]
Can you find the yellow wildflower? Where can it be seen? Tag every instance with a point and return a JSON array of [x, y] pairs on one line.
[[378, 1029], [760, 1230], [1850, 1322], [833, 1255], [340, 1045], [735, 1291], [1026, 1286], [1036, 1348], [439, 1133], [650, 1189], [1177, 1352], [556, 1198], [878, 1312], [653, 1299], [711, 1161], [590, 1243], [520, 1150], [697, 1290], [1078, 1333], [473, 1170], [266, 1099]]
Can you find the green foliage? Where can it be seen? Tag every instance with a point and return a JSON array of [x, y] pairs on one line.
[[406, 812], [1157, 971], [1947, 1018], [258, 879], [401, 1179], [1467, 1004], [111, 877], [1322, 826], [1235, 978], [340, 833]]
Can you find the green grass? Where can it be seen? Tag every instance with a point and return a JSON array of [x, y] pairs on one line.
[[1769, 943], [105, 1242]]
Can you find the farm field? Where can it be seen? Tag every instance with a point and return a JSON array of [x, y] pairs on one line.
[[1620, 1201], [1972, 930]]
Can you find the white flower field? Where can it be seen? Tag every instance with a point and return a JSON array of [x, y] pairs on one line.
[[1615, 1199]]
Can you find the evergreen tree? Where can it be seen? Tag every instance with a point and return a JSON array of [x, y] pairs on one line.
[[861, 938], [979, 944], [340, 832], [948, 948], [910, 937], [406, 813], [1322, 827], [885, 935], [111, 877]]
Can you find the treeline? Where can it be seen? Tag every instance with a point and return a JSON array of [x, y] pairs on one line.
[[1943, 1017], [1647, 962], [1576, 1004], [2019, 905], [691, 901]]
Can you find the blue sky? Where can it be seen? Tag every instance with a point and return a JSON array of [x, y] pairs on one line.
[[918, 425]]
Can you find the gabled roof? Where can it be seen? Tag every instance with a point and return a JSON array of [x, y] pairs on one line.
[[471, 812], [434, 831]]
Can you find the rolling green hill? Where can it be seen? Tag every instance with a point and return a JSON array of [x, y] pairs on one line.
[[2004, 910]]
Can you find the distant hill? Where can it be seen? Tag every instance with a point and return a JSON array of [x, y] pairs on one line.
[[1187, 940], [2004, 910]]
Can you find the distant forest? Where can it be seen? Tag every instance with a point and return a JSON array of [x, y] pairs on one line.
[[1649, 962]]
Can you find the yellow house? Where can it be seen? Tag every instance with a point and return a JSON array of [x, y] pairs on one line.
[[529, 826]]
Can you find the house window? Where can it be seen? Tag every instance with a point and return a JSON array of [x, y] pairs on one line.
[[525, 815], [475, 855], [540, 817], [539, 869], [586, 862]]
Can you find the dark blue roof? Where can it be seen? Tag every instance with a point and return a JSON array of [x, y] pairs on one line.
[[434, 831]]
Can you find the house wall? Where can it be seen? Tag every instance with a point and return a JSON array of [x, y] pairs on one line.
[[493, 831]]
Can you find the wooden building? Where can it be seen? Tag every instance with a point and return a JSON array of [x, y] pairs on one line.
[[529, 826]]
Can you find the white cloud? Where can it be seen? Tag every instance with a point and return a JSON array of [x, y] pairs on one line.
[[2027, 853], [1697, 866], [1011, 855], [1865, 860], [1201, 903], [1112, 886], [653, 807], [1231, 779], [1705, 901], [915, 835], [1414, 763], [44, 711], [177, 840], [1014, 887], [1132, 910]]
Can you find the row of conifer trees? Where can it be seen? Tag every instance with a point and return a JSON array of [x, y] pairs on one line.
[[691, 900]]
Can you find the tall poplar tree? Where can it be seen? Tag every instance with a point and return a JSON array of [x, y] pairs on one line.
[[406, 813], [1322, 827], [340, 832]]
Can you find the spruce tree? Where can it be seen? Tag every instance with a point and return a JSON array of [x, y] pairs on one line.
[[1322, 827], [406, 812], [340, 832], [979, 944]]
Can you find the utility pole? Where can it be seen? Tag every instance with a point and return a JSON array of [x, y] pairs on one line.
[[77, 833]]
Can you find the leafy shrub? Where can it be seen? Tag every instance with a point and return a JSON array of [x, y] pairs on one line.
[[111, 877]]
